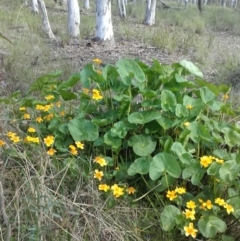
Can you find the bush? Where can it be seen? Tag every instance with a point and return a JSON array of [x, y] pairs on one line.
[[156, 129]]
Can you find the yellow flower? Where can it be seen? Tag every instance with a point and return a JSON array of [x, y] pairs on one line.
[[100, 160], [219, 161], [189, 107], [49, 140], [31, 129], [225, 97], [39, 107], [51, 152], [191, 204], [220, 201], [117, 191], [206, 205], [98, 174], [48, 117], [190, 214], [186, 124], [79, 145], [228, 208], [86, 91], [22, 108], [97, 61], [72, 147], [99, 72], [26, 116], [205, 161], [62, 113], [49, 97], [58, 104], [2, 143], [32, 139], [10, 134], [96, 95], [15, 138], [47, 108], [189, 230], [74, 152], [180, 190], [171, 195], [39, 119], [103, 187], [131, 190]]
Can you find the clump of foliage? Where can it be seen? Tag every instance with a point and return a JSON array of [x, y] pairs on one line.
[[159, 127]]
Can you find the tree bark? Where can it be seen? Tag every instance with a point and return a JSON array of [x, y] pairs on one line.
[[73, 18], [46, 24], [35, 7], [122, 8], [150, 12], [104, 28], [86, 4]]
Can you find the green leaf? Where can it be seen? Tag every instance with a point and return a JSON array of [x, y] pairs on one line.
[[70, 82], [181, 110], [231, 137], [111, 140], [227, 238], [143, 145], [168, 216], [86, 76], [209, 226], [67, 95], [143, 116], [182, 154], [229, 171], [119, 129], [140, 166], [207, 95], [83, 130], [169, 101], [192, 69], [165, 122], [129, 68], [164, 162]]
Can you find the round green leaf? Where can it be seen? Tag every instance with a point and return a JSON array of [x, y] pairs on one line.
[[143, 145], [114, 141], [168, 216], [139, 166], [169, 101], [143, 116], [192, 69], [229, 171], [209, 226], [82, 130]]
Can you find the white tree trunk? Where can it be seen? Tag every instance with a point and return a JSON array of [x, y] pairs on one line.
[[150, 12], [46, 24], [35, 7], [73, 18], [104, 28], [122, 8], [86, 4]]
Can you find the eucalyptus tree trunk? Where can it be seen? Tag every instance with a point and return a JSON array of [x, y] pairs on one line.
[[46, 24], [35, 7], [86, 4], [73, 18], [122, 8], [150, 12], [104, 28]]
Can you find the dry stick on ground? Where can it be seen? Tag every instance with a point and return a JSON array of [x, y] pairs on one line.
[[5, 217]]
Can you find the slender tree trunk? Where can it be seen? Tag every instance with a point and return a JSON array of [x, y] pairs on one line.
[[122, 8], [104, 28], [86, 4], [46, 24], [35, 7], [73, 18], [150, 12]]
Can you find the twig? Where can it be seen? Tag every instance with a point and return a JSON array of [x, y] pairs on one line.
[[5, 217]]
